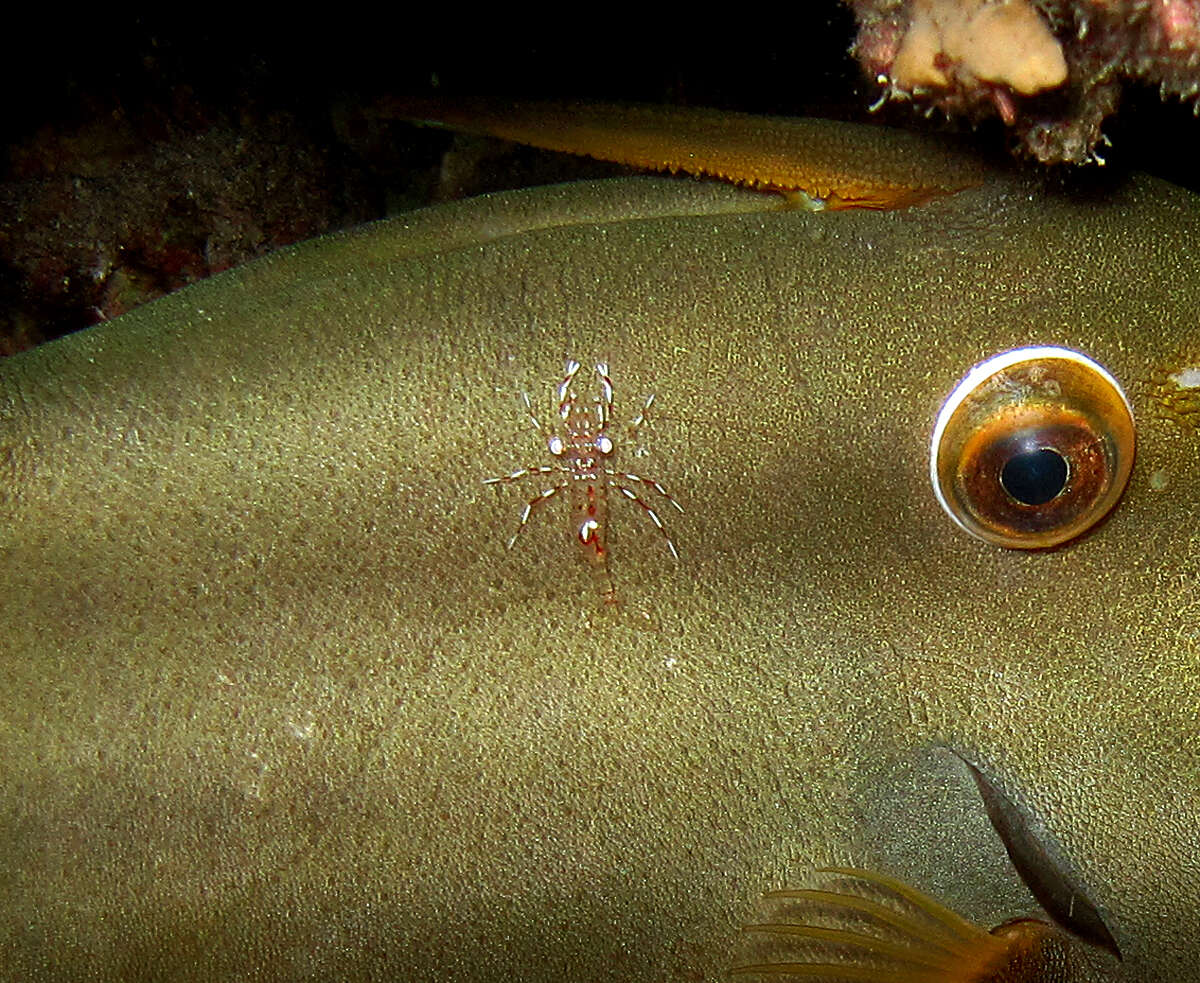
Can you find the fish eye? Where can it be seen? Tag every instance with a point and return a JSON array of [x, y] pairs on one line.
[[1032, 448]]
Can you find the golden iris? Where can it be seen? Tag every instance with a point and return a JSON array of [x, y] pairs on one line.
[[1032, 448]]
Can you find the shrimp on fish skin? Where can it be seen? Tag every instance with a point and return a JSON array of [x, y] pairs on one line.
[[581, 453]]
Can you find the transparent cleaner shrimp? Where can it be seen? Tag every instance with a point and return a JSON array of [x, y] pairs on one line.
[[581, 454]]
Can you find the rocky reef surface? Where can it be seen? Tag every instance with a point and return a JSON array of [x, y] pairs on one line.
[[1052, 70]]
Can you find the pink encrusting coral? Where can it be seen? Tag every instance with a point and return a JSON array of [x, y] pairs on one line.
[[1051, 69]]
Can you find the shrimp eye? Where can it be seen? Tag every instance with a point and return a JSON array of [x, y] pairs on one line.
[[604, 445], [555, 445], [1032, 448]]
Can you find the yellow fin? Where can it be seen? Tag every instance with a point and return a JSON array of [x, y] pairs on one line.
[[866, 927], [839, 165]]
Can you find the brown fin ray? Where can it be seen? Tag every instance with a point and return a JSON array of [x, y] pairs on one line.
[[870, 928], [1056, 887], [833, 165]]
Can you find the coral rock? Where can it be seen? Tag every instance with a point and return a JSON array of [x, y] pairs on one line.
[[1051, 69]]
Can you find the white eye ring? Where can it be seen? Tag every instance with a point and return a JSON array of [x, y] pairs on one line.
[[555, 445], [1053, 402], [604, 445]]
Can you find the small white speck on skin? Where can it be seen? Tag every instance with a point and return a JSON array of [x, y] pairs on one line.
[[1188, 378], [301, 731], [670, 662]]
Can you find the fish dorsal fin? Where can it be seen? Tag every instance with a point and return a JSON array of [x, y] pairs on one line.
[[833, 165], [868, 928]]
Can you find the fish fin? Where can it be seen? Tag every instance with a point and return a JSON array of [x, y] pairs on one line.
[[866, 927], [1056, 888], [823, 163]]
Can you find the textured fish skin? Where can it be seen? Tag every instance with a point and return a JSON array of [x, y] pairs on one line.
[[276, 703]]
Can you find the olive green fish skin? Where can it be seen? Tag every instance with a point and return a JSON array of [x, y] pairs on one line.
[[277, 704]]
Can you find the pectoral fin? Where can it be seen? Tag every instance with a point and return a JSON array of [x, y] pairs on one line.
[[864, 927]]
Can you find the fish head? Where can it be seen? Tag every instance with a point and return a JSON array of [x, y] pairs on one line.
[[280, 701]]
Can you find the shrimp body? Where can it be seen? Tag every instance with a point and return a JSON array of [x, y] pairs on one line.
[[582, 452]]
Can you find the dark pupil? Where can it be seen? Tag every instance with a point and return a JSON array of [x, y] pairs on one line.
[[1034, 477]]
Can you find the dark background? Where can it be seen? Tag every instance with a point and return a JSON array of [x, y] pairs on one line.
[[145, 151]]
